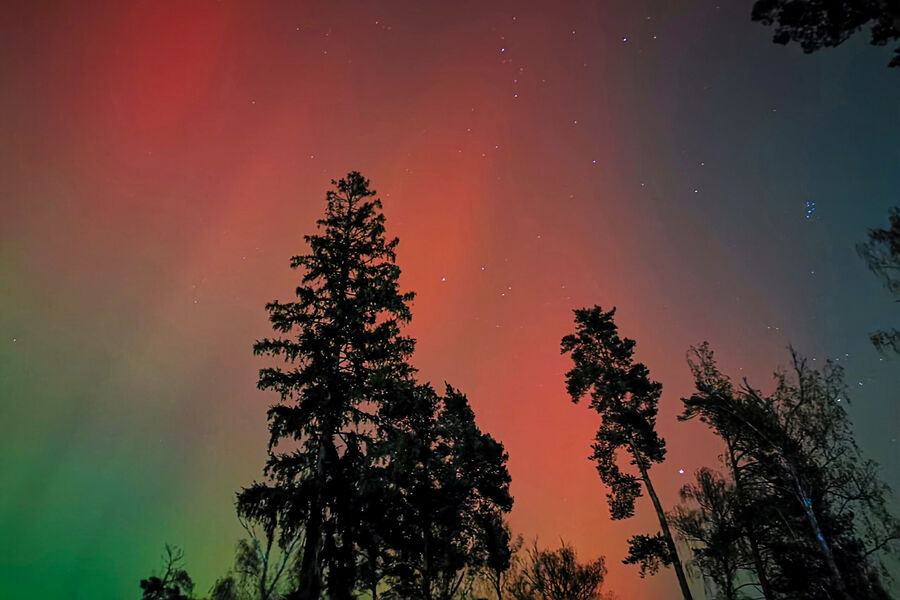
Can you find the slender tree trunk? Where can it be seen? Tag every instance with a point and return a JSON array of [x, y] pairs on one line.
[[263, 594], [806, 502], [310, 571], [664, 525], [748, 533]]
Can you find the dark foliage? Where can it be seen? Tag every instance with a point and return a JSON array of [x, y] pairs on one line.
[[450, 489], [709, 525], [816, 24], [882, 255], [557, 575], [650, 552], [174, 584], [807, 512]]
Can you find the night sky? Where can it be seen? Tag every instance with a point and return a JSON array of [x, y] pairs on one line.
[[160, 162]]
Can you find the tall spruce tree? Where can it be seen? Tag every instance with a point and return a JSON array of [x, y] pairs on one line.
[[345, 357], [623, 394]]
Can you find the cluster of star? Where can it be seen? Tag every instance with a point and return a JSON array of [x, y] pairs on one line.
[[810, 208]]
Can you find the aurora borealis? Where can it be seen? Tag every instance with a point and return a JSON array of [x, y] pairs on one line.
[[162, 160]]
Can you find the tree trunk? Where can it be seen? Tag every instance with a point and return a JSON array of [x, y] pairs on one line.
[[664, 525], [263, 594], [341, 588], [310, 569], [806, 501]]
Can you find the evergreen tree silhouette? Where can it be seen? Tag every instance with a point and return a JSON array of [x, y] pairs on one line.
[[450, 489], [345, 357], [623, 395]]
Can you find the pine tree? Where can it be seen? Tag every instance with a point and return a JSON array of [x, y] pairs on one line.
[[623, 394], [344, 359]]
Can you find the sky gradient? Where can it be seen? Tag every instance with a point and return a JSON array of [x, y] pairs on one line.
[[160, 162]]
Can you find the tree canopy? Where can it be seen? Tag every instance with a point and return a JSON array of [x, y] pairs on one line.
[[816, 24]]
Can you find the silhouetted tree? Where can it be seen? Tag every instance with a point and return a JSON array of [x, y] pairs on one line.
[[707, 522], [341, 342], [817, 506], [499, 549], [174, 584], [753, 503], [225, 588], [378, 525], [262, 559], [451, 489], [557, 575], [816, 24], [882, 255], [624, 396]]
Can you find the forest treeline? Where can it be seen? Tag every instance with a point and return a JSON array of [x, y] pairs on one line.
[[378, 485]]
